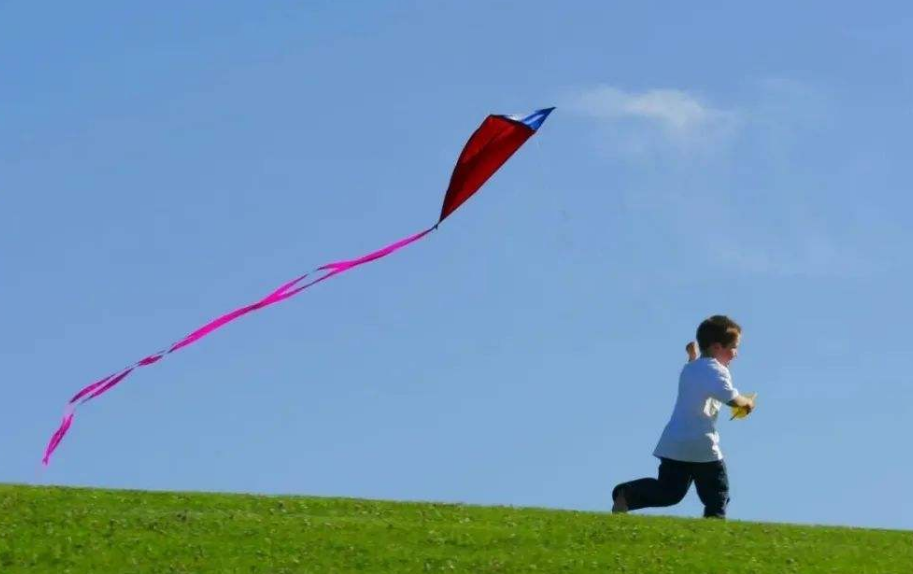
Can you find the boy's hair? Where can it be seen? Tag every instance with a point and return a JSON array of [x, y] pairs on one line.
[[717, 329]]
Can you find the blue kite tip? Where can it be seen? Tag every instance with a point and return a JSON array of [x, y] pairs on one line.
[[535, 119]]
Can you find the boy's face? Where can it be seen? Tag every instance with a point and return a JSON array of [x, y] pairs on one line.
[[725, 355]]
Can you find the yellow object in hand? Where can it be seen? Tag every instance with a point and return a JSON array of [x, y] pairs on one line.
[[742, 412]]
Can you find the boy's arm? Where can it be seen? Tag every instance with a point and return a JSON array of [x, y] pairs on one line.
[[691, 349]]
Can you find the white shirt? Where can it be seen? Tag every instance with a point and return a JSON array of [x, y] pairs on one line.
[[690, 435]]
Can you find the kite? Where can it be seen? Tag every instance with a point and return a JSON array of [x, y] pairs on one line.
[[489, 147]]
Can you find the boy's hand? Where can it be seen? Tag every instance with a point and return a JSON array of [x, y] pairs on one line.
[[750, 406], [742, 405], [691, 349]]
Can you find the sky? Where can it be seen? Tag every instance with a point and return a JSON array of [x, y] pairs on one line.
[[164, 163]]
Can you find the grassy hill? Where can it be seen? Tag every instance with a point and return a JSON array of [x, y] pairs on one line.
[[62, 530]]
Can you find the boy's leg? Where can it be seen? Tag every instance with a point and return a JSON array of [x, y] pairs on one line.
[[712, 484], [668, 489]]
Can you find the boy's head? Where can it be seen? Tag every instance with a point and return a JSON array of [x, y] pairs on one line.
[[718, 337]]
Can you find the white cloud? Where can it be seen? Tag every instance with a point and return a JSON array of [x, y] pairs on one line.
[[656, 116], [763, 208]]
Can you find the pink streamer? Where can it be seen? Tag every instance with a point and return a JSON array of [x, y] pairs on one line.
[[341, 266], [284, 292], [58, 435], [150, 360], [88, 389], [270, 299], [108, 386], [212, 326]]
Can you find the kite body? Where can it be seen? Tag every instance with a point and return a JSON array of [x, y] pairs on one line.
[[486, 151], [488, 148]]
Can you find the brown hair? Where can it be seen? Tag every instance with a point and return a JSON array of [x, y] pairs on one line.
[[717, 329]]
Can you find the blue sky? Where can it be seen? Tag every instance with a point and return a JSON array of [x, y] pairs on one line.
[[162, 164]]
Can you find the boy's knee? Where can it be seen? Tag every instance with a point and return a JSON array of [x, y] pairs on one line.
[[616, 490], [673, 496]]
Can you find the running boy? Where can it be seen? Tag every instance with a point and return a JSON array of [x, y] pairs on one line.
[[689, 449]]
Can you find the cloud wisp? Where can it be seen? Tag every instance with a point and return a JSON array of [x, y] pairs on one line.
[[656, 117]]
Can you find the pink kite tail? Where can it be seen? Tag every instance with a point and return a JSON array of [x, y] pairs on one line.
[[274, 297], [340, 266], [287, 290], [88, 389], [212, 326], [95, 389], [104, 385], [275, 294], [58, 435], [151, 359], [108, 386]]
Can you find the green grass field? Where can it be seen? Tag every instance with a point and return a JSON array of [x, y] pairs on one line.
[[62, 530]]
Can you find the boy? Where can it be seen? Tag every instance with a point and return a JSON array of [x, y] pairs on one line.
[[689, 449]]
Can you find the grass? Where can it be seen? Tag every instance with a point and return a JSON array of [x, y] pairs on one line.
[[68, 530]]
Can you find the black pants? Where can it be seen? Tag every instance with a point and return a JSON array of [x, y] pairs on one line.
[[675, 478]]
